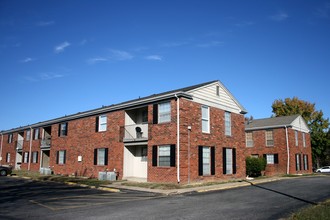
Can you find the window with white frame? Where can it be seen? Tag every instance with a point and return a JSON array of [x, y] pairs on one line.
[[10, 138], [305, 162], [271, 158], [304, 139], [28, 135], [269, 138], [36, 134], [296, 138], [61, 157], [206, 161], [35, 157], [63, 129], [229, 161], [164, 112], [164, 156], [249, 139], [102, 126], [205, 119], [228, 123], [101, 156], [298, 164], [8, 158], [26, 157]]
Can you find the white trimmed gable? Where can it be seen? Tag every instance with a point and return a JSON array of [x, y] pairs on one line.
[[207, 95], [299, 124]]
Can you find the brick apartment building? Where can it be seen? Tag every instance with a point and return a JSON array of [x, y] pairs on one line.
[[283, 141], [185, 135]]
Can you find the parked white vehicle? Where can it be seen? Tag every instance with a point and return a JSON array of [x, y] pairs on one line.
[[325, 169]]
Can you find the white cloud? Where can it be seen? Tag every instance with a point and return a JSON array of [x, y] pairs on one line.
[[60, 48], [175, 44], [280, 16], [27, 60], [154, 57], [210, 44], [45, 23], [96, 60], [43, 76], [120, 55]]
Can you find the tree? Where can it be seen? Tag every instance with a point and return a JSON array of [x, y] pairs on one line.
[[319, 126]]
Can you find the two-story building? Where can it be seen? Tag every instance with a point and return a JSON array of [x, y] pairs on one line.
[[190, 134], [283, 141]]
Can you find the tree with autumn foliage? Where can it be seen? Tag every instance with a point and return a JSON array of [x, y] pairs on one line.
[[318, 125]]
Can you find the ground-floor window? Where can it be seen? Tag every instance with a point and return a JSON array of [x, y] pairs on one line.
[[163, 156], [26, 157], [206, 158], [305, 162], [35, 157], [101, 156], [298, 164], [61, 157], [8, 157], [271, 158], [229, 160]]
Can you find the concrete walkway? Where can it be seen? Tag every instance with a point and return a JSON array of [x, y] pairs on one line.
[[117, 186]]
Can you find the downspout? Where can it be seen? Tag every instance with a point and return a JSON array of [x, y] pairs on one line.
[[287, 150], [178, 136], [31, 136], [1, 149]]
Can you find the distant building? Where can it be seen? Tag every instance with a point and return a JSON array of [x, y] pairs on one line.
[[283, 141], [186, 135]]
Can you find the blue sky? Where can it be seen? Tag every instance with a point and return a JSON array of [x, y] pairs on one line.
[[63, 57]]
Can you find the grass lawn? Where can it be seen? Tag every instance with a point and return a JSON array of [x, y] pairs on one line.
[[316, 212]]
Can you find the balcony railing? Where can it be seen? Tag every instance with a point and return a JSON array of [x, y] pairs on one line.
[[45, 143], [135, 132], [19, 145]]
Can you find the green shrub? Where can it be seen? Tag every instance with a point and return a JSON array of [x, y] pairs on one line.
[[254, 166]]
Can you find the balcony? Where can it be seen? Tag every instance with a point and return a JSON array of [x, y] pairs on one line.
[[135, 132], [19, 145], [45, 143]]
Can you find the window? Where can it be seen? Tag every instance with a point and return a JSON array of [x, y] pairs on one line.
[[229, 160], [296, 137], [206, 159], [163, 156], [10, 138], [36, 134], [227, 123], [8, 157], [101, 156], [28, 135], [304, 139], [269, 138], [298, 164], [249, 139], [101, 123], [61, 157], [63, 129], [26, 157], [35, 157], [205, 119], [305, 162], [271, 158], [164, 112]]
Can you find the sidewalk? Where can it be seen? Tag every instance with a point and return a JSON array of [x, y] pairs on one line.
[[117, 186]]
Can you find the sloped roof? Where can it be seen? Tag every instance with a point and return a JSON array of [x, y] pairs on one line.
[[276, 122]]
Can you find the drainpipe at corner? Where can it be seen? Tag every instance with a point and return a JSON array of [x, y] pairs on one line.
[[287, 150], [178, 136], [31, 136], [1, 149]]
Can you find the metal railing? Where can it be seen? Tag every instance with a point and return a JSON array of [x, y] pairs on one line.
[[45, 143], [19, 145], [135, 132]]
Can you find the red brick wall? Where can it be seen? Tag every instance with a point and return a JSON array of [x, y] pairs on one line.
[[280, 148]]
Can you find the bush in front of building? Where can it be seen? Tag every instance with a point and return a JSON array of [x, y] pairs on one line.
[[254, 166]]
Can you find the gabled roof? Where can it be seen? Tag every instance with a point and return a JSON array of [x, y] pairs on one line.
[[294, 121], [182, 92]]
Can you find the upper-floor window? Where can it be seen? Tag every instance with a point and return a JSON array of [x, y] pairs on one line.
[[227, 123], [249, 139], [36, 134], [63, 129], [205, 119], [10, 138], [28, 135], [164, 112], [269, 138], [102, 123], [304, 139], [296, 138]]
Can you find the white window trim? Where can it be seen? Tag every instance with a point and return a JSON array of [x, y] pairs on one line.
[[101, 156], [103, 119], [296, 135], [206, 119], [249, 142], [227, 123], [229, 161], [164, 116], [61, 155], [269, 145], [270, 158], [168, 155], [205, 151]]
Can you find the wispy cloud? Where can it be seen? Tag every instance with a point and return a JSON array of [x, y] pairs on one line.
[[210, 44], [175, 44], [96, 60], [280, 16], [27, 60], [60, 48], [324, 11], [154, 57], [43, 77], [120, 55], [45, 23]]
